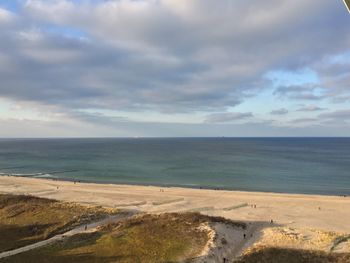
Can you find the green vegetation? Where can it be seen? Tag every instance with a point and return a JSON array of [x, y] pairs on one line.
[[168, 237], [278, 255], [26, 219]]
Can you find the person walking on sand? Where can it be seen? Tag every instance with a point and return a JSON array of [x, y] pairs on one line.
[[85, 228]]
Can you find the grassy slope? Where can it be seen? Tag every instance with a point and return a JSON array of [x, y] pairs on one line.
[[26, 219], [278, 255], [147, 238]]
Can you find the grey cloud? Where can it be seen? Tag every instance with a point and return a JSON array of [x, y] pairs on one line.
[[331, 119], [80, 74], [168, 56], [97, 118], [304, 120], [279, 112], [298, 92], [343, 115], [310, 109], [336, 80], [334, 83], [227, 117]]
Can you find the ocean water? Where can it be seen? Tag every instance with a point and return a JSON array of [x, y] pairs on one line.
[[290, 165]]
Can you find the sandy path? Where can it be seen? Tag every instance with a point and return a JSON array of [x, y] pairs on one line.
[[78, 230], [251, 236]]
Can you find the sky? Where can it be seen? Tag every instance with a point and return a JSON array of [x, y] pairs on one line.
[[174, 68]]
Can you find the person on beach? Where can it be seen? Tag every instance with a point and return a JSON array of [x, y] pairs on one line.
[[85, 228]]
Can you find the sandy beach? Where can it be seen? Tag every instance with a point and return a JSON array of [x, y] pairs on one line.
[[327, 213]]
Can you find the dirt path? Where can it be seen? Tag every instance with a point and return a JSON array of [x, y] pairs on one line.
[[80, 229], [252, 235]]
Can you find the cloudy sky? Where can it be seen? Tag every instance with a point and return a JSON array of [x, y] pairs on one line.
[[88, 68]]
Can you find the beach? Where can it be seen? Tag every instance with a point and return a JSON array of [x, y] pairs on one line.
[[327, 213]]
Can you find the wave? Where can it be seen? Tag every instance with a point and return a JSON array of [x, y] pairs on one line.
[[41, 174], [45, 176], [36, 175]]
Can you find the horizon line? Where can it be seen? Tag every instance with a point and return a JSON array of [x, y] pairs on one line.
[[166, 137]]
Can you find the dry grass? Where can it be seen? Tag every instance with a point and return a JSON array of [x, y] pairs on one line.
[[147, 238], [279, 255], [25, 219]]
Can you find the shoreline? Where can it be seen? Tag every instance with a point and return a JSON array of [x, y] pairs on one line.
[[329, 213]]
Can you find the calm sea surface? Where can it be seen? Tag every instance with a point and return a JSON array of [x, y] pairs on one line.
[[291, 165]]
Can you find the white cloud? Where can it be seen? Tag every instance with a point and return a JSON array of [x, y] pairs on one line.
[[6, 17]]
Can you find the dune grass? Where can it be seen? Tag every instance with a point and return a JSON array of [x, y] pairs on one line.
[[278, 255], [26, 219], [171, 237]]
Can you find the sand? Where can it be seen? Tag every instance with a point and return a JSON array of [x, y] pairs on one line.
[[309, 216]]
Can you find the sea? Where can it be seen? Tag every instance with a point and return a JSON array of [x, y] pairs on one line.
[[282, 165]]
